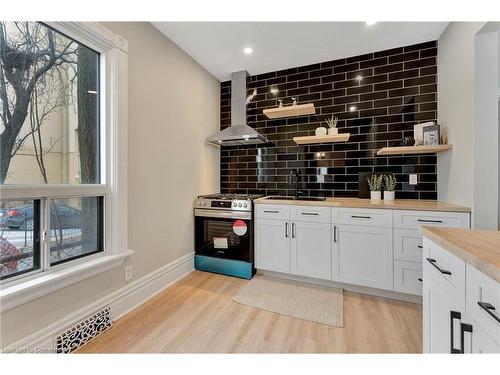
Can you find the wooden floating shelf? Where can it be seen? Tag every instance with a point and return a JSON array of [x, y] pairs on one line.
[[413, 150], [342, 137], [291, 110]]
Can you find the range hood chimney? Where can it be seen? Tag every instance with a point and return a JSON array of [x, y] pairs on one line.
[[239, 133]]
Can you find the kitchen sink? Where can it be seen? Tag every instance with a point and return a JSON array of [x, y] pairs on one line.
[[283, 198]]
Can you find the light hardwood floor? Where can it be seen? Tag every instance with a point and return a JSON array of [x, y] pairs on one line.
[[197, 315]]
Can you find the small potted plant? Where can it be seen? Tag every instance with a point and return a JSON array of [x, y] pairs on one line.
[[332, 125], [375, 185], [389, 186]]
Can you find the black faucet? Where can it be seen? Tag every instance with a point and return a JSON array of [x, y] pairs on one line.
[[295, 172]]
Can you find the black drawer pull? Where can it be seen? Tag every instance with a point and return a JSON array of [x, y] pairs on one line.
[[464, 327], [489, 308], [361, 217], [420, 279], [271, 212], [420, 246], [310, 213], [454, 315], [429, 221], [433, 262]]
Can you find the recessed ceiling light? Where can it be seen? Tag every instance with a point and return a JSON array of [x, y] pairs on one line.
[[370, 23], [248, 51], [352, 108]]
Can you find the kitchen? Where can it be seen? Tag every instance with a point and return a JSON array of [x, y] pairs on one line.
[[325, 200]]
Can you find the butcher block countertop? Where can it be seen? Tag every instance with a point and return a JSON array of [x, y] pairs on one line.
[[479, 248], [398, 204]]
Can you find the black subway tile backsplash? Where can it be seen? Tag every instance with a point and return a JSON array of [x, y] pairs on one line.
[[378, 97]]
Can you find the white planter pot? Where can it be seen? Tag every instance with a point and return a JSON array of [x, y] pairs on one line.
[[333, 131], [320, 131], [389, 195], [375, 195]]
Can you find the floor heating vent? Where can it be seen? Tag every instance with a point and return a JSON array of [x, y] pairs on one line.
[[84, 331]]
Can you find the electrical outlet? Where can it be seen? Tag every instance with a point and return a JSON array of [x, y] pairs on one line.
[[413, 179], [129, 273]]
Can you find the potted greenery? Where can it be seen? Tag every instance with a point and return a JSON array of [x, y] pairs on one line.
[[375, 185], [389, 187], [332, 125]]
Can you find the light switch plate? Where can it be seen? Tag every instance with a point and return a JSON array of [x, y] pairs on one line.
[[413, 179], [129, 273]]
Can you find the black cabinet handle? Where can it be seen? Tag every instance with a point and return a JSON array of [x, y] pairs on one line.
[[420, 279], [489, 308], [271, 212], [361, 217], [335, 234], [433, 262], [286, 229], [293, 230], [464, 327], [310, 213], [429, 221], [420, 246], [454, 315]]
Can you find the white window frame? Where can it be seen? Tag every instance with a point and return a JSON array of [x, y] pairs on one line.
[[113, 51]]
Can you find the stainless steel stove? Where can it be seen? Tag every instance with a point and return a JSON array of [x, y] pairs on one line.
[[224, 238], [233, 202]]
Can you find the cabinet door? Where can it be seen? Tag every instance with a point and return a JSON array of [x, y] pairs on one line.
[[311, 250], [362, 255], [442, 319], [482, 343], [272, 245]]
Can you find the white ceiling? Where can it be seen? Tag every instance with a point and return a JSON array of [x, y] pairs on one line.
[[218, 46]]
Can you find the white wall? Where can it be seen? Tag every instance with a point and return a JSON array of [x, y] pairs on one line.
[[173, 107], [486, 156], [456, 111]]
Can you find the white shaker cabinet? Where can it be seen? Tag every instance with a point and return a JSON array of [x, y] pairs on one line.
[[362, 255], [272, 245], [311, 250]]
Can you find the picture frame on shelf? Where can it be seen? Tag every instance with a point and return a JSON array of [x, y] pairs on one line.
[[431, 135], [418, 132]]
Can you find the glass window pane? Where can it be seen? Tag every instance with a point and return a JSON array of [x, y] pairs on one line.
[[49, 107], [19, 237], [76, 228]]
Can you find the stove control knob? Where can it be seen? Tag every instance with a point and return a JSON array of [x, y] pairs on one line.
[[235, 204], [245, 205], [239, 204]]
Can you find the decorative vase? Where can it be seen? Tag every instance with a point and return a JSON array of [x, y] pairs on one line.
[[375, 195], [389, 195], [320, 131], [333, 131]]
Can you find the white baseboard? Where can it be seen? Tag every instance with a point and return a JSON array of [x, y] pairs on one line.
[[121, 302], [352, 288]]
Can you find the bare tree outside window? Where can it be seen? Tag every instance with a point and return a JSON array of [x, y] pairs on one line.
[[49, 131]]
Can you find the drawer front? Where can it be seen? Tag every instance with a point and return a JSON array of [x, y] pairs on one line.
[[484, 290], [272, 211], [446, 269], [366, 217], [408, 245], [408, 277], [310, 214], [414, 219]]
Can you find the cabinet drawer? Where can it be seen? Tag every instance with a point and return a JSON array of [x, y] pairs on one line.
[[414, 219], [407, 277], [446, 269], [272, 211], [310, 214], [482, 289], [366, 217], [408, 245]]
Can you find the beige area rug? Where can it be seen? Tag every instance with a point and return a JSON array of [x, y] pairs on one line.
[[305, 301]]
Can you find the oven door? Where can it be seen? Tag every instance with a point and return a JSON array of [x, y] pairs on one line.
[[224, 234]]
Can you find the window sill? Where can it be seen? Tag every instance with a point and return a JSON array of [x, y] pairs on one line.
[[18, 294]]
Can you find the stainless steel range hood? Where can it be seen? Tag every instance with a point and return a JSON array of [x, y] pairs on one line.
[[239, 133]]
